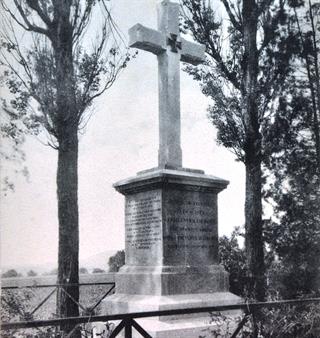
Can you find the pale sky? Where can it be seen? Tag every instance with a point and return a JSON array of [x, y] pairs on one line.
[[120, 139]]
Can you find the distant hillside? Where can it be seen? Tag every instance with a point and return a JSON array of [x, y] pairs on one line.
[[99, 260]]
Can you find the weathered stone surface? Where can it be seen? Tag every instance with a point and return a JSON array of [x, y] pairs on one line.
[[143, 224], [160, 178], [192, 52], [147, 39], [171, 280], [190, 231], [171, 218], [171, 225], [168, 17], [171, 234]]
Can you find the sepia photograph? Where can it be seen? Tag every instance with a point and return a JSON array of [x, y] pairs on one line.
[[160, 168]]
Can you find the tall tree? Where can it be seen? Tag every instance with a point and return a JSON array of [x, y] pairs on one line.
[[247, 58], [307, 26], [293, 160], [294, 234], [54, 77]]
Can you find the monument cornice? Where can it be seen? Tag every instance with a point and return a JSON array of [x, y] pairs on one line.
[[169, 178]]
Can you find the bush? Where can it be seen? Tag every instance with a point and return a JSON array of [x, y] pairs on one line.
[[31, 273], [291, 322], [11, 273], [301, 321], [232, 257], [116, 261], [83, 271], [98, 270], [15, 304]]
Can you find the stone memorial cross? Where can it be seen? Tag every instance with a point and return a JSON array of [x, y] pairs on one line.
[[171, 216], [170, 49]]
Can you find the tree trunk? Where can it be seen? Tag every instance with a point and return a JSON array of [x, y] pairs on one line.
[[317, 81], [253, 224], [67, 191], [253, 203], [66, 121]]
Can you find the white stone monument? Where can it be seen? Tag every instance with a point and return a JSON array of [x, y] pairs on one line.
[[171, 221]]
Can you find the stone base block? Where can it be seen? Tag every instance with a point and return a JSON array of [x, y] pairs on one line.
[[202, 327], [124, 303], [166, 280], [190, 325]]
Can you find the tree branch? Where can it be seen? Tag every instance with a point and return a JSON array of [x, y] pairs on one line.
[[34, 4], [223, 68], [232, 17], [269, 27], [76, 14], [262, 5], [84, 19], [112, 77], [30, 26], [202, 27], [6, 9]]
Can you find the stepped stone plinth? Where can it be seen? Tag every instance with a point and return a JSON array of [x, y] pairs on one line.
[[171, 232]]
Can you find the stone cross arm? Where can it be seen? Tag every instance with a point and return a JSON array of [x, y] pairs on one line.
[[147, 39], [156, 42]]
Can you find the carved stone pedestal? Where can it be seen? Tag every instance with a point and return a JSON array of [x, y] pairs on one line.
[[171, 228]]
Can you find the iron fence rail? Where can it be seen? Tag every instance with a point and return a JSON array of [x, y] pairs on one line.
[[54, 285], [126, 318]]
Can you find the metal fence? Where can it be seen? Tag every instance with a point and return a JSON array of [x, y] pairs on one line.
[[127, 321], [10, 298]]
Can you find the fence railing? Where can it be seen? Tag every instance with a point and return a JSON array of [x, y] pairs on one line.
[[56, 287], [128, 320]]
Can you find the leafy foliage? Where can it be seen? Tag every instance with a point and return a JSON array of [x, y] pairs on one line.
[[221, 78], [29, 71], [116, 261], [287, 139], [281, 322], [249, 46], [15, 304], [224, 325], [233, 258], [291, 322], [34, 97]]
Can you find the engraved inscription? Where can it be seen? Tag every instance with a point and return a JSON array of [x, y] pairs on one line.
[[192, 225], [143, 221]]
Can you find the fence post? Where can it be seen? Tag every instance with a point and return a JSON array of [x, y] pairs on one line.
[[240, 326], [128, 328]]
